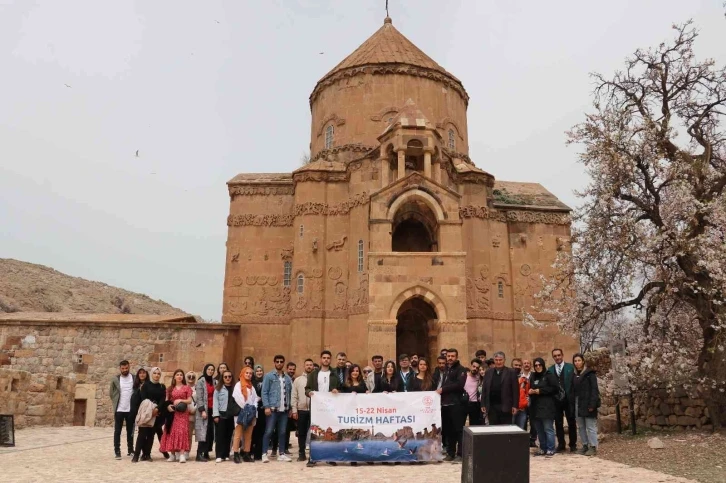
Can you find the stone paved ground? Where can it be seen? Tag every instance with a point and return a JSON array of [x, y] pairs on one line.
[[75, 454]]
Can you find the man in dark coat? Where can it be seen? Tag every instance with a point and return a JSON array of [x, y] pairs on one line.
[[564, 371], [500, 392], [452, 404]]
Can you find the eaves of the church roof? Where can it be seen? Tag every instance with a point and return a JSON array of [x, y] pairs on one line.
[[388, 46]]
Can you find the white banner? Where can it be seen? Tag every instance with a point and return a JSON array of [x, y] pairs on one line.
[[402, 426]]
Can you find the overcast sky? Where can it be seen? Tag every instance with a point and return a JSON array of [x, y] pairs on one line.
[[208, 89]]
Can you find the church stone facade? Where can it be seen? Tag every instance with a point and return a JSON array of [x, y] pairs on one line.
[[390, 239]]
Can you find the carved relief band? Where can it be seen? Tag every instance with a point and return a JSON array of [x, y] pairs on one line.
[[311, 208], [260, 220], [260, 190], [519, 216]]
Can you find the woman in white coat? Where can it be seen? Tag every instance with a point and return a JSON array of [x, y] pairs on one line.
[[244, 394]]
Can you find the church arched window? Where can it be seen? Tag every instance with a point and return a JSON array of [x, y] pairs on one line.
[[300, 283], [452, 140], [500, 289], [329, 136], [287, 274]]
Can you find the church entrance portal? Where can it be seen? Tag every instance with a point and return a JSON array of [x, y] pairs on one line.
[[414, 328]]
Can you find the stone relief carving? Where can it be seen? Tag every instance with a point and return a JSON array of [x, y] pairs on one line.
[[496, 240], [336, 245], [334, 273], [518, 216], [355, 148], [316, 294], [392, 110], [388, 70], [358, 301], [320, 176], [234, 254], [260, 220], [315, 245], [478, 290], [286, 253], [525, 270], [562, 243], [260, 190], [340, 301], [259, 295], [312, 208]]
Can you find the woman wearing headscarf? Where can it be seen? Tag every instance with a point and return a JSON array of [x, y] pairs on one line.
[[192, 409], [259, 431], [245, 395], [543, 387], [155, 391], [203, 429]]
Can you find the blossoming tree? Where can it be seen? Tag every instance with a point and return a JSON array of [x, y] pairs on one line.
[[649, 239]]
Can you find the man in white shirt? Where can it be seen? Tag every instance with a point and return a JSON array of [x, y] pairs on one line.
[[122, 386], [322, 380]]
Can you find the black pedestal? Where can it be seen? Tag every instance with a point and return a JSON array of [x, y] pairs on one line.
[[495, 454]]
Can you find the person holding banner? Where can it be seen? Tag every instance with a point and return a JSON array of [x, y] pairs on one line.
[[453, 411], [407, 381], [355, 382], [322, 380], [425, 379], [389, 380]]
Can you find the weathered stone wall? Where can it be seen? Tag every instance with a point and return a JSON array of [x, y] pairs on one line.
[[88, 354], [36, 399], [655, 409]]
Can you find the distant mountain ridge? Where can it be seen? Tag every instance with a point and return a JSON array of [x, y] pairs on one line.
[[28, 287]]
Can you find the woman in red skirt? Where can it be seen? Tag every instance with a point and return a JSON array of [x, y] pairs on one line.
[[175, 440]]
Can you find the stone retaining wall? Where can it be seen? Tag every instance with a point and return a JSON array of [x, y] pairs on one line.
[[655, 409], [36, 399], [88, 353]]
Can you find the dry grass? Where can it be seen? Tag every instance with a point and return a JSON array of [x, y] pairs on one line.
[[700, 456]]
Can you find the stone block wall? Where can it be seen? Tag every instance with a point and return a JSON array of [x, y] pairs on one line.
[[36, 399], [655, 409], [88, 353]]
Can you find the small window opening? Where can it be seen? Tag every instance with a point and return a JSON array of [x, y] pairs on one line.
[[300, 283], [287, 274], [329, 137], [79, 358], [500, 289], [58, 382], [452, 140], [161, 357], [302, 230], [360, 256]]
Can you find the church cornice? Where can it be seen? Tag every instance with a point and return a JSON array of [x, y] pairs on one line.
[[389, 69], [354, 148]]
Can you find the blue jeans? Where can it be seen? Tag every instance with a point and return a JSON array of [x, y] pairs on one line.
[[279, 419], [520, 419], [546, 434]]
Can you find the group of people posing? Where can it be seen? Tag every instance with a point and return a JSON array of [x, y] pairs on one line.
[[251, 416]]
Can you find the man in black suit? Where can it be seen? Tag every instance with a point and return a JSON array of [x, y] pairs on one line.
[[500, 392]]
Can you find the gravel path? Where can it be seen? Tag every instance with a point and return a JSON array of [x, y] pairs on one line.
[[77, 454]]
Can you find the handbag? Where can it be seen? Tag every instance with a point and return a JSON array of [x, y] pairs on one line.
[[247, 415], [181, 407]]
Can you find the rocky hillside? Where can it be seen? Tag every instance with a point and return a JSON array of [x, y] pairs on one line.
[[27, 287]]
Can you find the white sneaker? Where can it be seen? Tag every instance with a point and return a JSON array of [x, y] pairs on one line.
[[186, 454], [218, 460], [265, 458], [171, 458], [284, 457], [182, 458]]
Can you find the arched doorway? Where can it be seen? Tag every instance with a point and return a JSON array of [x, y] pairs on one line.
[[415, 228], [413, 330]]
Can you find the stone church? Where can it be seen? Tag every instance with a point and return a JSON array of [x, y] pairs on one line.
[[390, 239]]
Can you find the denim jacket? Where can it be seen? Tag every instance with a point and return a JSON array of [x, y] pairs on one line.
[[271, 391], [220, 398]]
